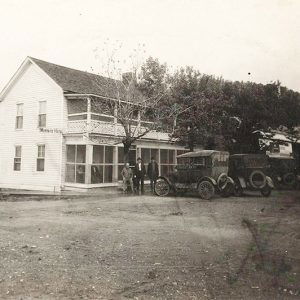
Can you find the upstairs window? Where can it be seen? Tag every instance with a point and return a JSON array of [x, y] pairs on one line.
[[18, 157], [19, 117], [40, 162], [42, 113]]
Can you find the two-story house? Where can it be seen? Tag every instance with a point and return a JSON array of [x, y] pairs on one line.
[[53, 138]]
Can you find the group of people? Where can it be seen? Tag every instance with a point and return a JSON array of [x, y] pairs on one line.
[[134, 178]]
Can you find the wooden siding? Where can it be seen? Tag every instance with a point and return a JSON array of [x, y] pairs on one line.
[[32, 86]]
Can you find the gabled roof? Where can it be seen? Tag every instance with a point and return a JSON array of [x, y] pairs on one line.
[[75, 81]]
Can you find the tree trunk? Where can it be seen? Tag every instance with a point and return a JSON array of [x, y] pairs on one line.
[[126, 146]]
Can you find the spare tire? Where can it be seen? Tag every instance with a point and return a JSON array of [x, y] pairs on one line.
[[257, 179], [289, 179]]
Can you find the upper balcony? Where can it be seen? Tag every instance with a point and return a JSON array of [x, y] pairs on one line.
[[84, 116]]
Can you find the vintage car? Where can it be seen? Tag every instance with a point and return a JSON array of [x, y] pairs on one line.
[[249, 172], [283, 171], [204, 171]]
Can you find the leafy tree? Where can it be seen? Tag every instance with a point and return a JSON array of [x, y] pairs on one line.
[[203, 107]]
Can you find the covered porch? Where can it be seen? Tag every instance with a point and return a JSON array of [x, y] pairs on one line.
[[90, 164]]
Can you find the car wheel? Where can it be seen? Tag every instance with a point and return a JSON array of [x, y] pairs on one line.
[[228, 190], [257, 179], [206, 189], [266, 191], [289, 179], [162, 187]]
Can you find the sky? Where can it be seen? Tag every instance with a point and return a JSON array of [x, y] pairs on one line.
[[249, 40]]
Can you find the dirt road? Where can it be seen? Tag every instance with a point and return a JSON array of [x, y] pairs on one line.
[[131, 247]]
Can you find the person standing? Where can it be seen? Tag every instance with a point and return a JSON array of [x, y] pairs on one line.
[[139, 172], [153, 173], [127, 176]]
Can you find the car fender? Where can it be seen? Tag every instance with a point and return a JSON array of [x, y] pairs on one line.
[[212, 180], [242, 182], [230, 180], [270, 182], [166, 179]]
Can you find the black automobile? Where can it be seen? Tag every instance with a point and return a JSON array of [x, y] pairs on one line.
[[204, 171], [250, 172], [283, 171]]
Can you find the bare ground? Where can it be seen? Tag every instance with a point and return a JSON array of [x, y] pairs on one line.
[[131, 247]]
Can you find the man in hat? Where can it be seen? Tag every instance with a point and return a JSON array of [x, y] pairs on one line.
[[153, 173], [139, 172], [127, 177]]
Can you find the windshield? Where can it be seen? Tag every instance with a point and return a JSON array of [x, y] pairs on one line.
[[191, 162], [220, 159]]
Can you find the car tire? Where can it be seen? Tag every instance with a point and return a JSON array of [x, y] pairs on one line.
[[206, 190], [252, 181], [289, 179], [162, 187], [266, 191]]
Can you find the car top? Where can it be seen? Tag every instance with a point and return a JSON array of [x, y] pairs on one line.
[[247, 154], [201, 153], [281, 157]]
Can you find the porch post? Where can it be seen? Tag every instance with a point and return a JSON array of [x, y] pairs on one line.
[[138, 151], [88, 117], [115, 164], [115, 120], [89, 161]]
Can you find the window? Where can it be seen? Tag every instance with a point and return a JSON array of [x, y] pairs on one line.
[[19, 117], [102, 110], [42, 113], [40, 162], [102, 167], [17, 159], [132, 159], [75, 166], [199, 161], [167, 161], [147, 153]]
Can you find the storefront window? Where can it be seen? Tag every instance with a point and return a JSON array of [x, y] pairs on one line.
[[97, 174], [98, 154], [75, 167], [70, 173], [147, 153], [71, 152], [132, 159], [102, 168], [167, 161]]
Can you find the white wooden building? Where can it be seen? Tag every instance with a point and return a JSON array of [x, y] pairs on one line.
[[52, 139]]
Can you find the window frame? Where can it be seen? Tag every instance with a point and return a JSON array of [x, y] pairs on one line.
[[39, 158], [40, 115], [76, 164], [19, 116], [170, 163], [18, 159], [103, 164]]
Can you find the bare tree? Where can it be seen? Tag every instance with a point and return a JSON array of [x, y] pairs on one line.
[[135, 111]]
